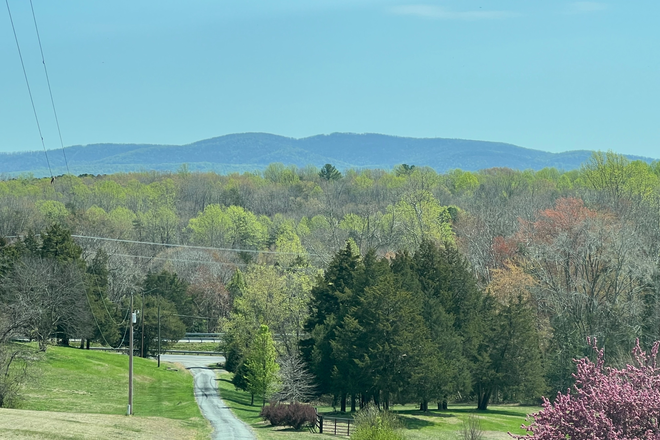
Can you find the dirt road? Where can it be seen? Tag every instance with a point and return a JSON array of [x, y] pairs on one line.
[[225, 425]]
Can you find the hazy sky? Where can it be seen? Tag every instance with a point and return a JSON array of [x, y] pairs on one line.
[[553, 75]]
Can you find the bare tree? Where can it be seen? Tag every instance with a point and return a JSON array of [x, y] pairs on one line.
[[296, 383], [44, 297], [13, 373], [13, 364]]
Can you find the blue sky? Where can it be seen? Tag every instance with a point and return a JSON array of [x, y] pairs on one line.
[[554, 75]]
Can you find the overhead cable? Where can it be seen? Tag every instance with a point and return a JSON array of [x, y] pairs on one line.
[[27, 82], [50, 91], [178, 260], [205, 248]]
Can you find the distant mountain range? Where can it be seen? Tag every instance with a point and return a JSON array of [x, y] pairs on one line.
[[254, 151]]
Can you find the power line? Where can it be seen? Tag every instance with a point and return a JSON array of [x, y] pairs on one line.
[[178, 260], [91, 309], [98, 289], [95, 320], [52, 101], [298, 269], [177, 246], [128, 311], [205, 248], [27, 82]]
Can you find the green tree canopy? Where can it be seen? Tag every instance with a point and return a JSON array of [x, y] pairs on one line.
[[261, 367], [329, 172]]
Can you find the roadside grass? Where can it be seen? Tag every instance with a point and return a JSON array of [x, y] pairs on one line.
[[447, 424], [192, 346], [85, 381], [239, 402], [195, 346]]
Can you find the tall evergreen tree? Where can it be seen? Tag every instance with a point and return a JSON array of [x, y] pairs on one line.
[[514, 354], [169, 286], [393, 339], [57, 243], [102, 325], [452, 308], [332, 298]]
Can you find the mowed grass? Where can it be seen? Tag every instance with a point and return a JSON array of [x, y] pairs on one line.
[[239, 402], [496, 422], [20, 424], [85, 381]]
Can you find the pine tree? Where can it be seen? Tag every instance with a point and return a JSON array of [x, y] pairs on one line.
[[329, 172], [58, 244], [102, 326], [332, 297], [452, 307], [169, 286], [392, 339]]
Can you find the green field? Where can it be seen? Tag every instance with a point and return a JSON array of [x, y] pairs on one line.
[[495, 422], [85, 381]]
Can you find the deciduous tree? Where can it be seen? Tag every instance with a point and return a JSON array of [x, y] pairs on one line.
[[604, 402], [261, 365]]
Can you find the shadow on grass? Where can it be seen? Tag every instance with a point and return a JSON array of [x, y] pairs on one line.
[[430, 413], [281, 429], [453, 412], [415, 423], [494, 411], [240, 399]]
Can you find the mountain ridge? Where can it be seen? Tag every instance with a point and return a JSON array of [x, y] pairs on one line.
[[240, 152]]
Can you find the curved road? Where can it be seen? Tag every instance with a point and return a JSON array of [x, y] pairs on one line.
[[225, 425]]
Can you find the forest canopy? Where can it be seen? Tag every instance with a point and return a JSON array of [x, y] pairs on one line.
[[495, 278]]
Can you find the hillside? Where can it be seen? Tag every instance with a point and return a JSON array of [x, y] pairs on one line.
[[254, 151], [83, 394]]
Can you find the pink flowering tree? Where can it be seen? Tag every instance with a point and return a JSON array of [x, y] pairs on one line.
[[605, 403]]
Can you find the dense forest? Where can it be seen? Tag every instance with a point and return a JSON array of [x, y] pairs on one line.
[[392, 286]]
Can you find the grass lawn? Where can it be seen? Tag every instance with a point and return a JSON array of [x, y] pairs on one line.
[[495, 422], [85, 381], [21, 424], [239, 402]]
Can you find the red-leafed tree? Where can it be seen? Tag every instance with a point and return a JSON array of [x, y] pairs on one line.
[[586, 266], [605, 403]]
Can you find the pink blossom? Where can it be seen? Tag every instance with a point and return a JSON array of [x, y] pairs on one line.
[[605, 403]]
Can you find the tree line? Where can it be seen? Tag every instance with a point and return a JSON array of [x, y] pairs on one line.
[[533, 261], [397, 329]]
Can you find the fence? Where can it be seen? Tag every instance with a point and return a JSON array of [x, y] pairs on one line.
[[203, 337], [333, 425], [191, 352]]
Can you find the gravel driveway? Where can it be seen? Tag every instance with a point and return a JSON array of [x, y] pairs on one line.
[[225, 425]]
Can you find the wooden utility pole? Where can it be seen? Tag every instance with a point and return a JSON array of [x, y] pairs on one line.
[[142, 320], [130, 361], [158, 329]]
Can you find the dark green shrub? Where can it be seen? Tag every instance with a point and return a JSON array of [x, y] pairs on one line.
[[295, 414]]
